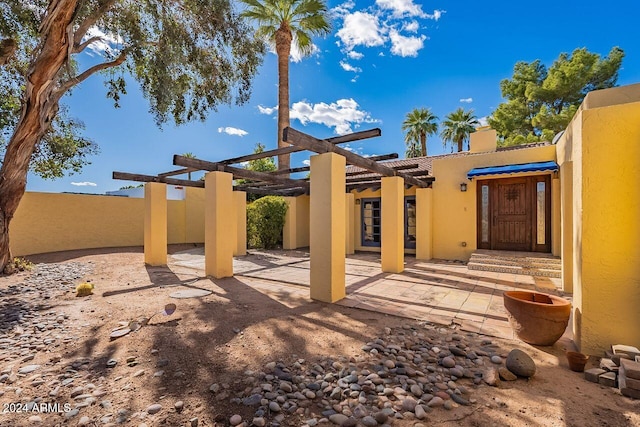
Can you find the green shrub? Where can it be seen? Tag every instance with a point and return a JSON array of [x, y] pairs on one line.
[[265, 220]]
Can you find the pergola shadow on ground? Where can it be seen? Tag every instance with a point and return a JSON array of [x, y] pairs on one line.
[[446, 293]]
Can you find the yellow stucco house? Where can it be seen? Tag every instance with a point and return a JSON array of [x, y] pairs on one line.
[[575, 198]]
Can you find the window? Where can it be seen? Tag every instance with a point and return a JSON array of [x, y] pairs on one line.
[[484, 215], [410, 222], [540, 213], [371, 222]]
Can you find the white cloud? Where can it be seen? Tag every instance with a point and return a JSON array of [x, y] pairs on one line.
[[466, 100], [361, 29], [437, 14], [267, 110], [401, 8], [355, 55], [348, 67], [341, 115], [84, 184], [484, 121], [342, 9], [233, 131], [405, 46], [411, 26], [107, 44], [306, 162]]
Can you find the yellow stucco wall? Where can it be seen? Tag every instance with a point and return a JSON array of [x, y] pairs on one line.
[[601, 151], [49, 222], [454, 211], [302, 221]]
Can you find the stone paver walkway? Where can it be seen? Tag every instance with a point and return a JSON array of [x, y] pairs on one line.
[[437, 291]]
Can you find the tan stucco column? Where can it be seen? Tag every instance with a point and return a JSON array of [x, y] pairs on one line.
[[289, 232], [155, 223], [555, 217], [240, 200], [424, 223], [327, 234], [566, 215], [219, 228], [392, 221], [350, 206]]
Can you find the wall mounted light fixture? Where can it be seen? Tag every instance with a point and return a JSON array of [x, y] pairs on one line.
[[463, 187], [357, 201]]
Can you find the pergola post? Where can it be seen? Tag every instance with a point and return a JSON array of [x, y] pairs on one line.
[[219, 230], [350, 204], [424, 223], [240, 201], [155, 223], [289, 235], [392, 236], [327, 239]]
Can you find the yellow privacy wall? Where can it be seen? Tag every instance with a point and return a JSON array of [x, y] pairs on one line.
[[48, 222]]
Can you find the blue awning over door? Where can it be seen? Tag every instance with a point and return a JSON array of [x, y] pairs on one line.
[[510, 169]]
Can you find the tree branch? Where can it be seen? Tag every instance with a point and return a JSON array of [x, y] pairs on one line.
[[89, 21], [59, 93], [82, 46], [7, 49]]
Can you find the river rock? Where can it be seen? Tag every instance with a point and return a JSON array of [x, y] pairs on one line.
[[521, 364]]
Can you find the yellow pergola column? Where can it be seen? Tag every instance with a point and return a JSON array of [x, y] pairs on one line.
[[219, 228], [424, 223], [392, 222], [240, 200], [327, 233], [155, 223], [289, 235], [350, 206]]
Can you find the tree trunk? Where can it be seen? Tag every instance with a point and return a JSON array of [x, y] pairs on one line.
[[40, 105], [283, 49], [423, 143], [460, 145]]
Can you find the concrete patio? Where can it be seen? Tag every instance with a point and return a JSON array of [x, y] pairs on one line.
[[437, 291]]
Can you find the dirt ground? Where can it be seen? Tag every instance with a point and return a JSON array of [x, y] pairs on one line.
[[219, 337]]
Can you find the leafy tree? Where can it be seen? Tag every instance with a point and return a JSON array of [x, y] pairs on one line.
[[419, 123], [539, 102], [457, 127], [189, 57], [283, 23], [266, 164]]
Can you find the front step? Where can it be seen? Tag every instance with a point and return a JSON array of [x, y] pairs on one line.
[[526, 263]]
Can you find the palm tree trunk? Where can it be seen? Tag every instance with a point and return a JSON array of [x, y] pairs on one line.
[[460, 145], [423, 142], [283, 49], [40, 106]]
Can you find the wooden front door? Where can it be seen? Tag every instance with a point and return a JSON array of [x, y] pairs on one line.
[[514, 214]]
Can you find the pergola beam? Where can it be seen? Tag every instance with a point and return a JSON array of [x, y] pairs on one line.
[[124, 176], [177, 172], [398, 168], [389, 156], [308, 142], [356, 136], [237, 172]]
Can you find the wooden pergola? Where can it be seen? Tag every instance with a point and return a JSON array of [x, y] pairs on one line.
[[326, 187]]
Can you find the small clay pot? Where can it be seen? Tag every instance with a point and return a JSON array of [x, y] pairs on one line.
[[577, 361]]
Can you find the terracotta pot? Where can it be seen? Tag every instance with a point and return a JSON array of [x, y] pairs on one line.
[[536, 318], [577, 361]]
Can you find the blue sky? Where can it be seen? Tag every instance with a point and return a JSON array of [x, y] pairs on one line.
[[382, 59]]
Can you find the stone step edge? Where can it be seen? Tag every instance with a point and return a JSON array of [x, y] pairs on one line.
[[515, 270], [528, 264], [516, 259]]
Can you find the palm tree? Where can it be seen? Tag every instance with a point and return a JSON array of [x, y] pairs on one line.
[[281, 23], [457, 127], [419, 123], [189, 155]]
